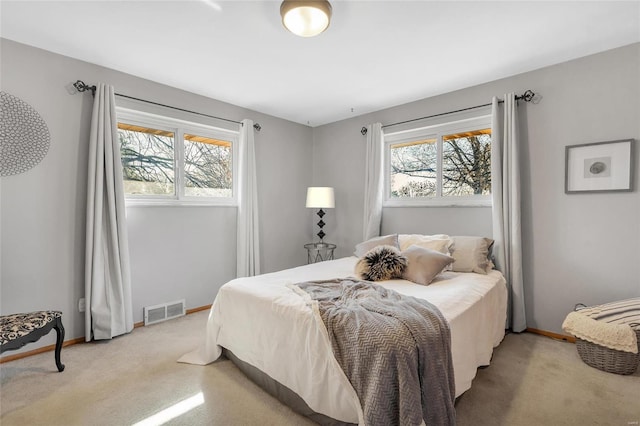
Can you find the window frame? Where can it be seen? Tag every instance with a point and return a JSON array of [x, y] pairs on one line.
[[436, 131], [180, 128]]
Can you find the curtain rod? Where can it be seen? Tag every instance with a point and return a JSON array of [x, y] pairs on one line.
[[82, 87], [527, 96]]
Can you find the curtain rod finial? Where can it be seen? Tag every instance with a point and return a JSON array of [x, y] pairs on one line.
[[82, 87], [528, 96], [363, 131], [257, 126]]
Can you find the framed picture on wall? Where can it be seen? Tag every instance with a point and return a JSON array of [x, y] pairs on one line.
[[599, 167]]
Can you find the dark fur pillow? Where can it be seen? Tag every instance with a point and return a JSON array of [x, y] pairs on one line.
[[381, 263]]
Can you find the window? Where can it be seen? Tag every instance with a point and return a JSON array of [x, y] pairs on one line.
[[448, 164], [168, 161]]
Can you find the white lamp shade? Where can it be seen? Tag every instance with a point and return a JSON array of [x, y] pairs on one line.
[[320, 197], [306, 18]]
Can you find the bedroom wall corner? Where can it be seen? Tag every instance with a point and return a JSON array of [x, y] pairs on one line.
[[176, 252]]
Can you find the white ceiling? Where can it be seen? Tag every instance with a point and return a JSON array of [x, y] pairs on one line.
[[375, 54]]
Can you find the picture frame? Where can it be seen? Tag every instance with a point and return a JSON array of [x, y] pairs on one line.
[[599, 167]]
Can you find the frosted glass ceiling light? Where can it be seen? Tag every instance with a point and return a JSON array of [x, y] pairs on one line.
[[305, 18]]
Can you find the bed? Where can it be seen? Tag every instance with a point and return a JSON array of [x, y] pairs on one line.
[[268, 329]]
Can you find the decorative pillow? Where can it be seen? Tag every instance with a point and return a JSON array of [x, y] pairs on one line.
[[438, 242], [381, 263], [471, 254], [424, 264], [387, 240]]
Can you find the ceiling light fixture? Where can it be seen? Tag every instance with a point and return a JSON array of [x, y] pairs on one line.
[[305, 18]]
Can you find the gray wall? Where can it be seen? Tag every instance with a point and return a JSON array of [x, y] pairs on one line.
[[577, 248], [176, 252]]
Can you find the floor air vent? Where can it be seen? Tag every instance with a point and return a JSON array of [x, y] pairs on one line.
[[163, 312]]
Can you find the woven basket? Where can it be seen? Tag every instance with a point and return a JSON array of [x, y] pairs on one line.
[[609, 360]]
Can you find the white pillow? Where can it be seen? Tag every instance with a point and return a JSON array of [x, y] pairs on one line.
[[471, 254], [365, 246], [438, 242]]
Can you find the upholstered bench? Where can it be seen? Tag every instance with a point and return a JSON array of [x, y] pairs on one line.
[[19, 329]]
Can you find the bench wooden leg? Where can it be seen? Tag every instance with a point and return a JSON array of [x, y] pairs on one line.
[[60, 338], [31, 327]]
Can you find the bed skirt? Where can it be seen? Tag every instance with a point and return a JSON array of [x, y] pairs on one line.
[[281, 392], [284, 394]]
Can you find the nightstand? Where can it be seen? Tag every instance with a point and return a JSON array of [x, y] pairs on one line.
[[318, 252]]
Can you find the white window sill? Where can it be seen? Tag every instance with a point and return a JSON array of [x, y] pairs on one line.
[[138, 202], [440, 202]]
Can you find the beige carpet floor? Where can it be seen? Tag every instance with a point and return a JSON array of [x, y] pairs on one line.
[[533, 380]]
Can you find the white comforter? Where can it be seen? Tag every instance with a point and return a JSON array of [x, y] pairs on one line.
[[266, 324]]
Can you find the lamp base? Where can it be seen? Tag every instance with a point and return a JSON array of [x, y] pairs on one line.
[[321, 223]]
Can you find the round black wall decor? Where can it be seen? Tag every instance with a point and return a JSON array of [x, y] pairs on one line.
[[24, 136]]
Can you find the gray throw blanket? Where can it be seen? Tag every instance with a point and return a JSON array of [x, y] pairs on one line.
[[394, 349]]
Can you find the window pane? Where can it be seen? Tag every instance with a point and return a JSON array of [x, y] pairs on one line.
[[147, 160], [413, 169], [208, 167], [466, 163]]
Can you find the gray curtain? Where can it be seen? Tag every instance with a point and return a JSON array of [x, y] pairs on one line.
[[505, 189], [107, 271], [248, 235], [373, 182]]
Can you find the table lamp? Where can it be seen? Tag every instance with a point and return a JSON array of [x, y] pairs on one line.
[[320, 197]]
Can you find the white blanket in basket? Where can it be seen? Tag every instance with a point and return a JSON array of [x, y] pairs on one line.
[[612, 325]]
